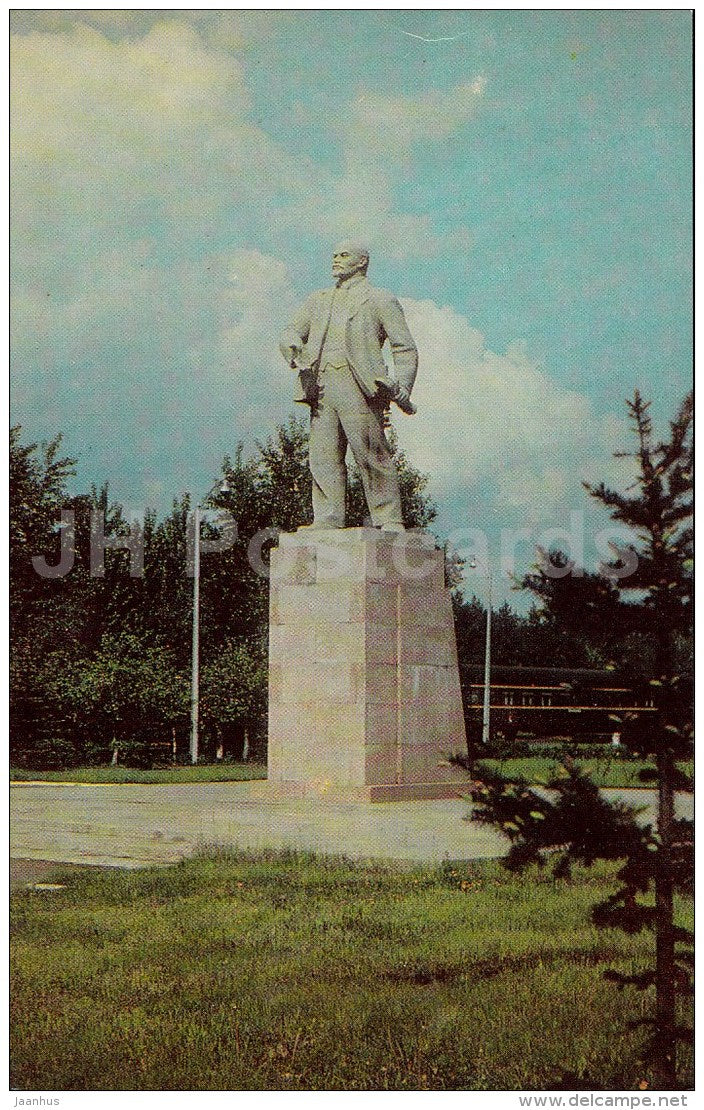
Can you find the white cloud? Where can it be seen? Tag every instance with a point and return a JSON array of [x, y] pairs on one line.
[[494, 429], [491, 428], [116, 136], [112, 136], [502, 441], [379, 135], [393, 124], [254, 304], [124, 154], [134, 157], [160, 370], [500, 422]]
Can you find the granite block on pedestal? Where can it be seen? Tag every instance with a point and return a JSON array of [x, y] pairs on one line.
[[364, 692]]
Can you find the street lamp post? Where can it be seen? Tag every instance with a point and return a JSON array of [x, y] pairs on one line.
[[487, 666], [223, 487], [486, 711]]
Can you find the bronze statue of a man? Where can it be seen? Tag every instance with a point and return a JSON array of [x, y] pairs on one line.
[[335, 343]]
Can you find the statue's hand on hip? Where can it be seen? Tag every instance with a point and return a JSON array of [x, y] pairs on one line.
[[403, 399]]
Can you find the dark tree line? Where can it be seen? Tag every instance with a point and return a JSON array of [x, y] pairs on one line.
[[100, 655], [100, 658]]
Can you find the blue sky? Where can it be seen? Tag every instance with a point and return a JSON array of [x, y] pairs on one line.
[[522, 178]]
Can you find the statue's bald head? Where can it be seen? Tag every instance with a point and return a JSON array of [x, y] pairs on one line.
[[349, 258]]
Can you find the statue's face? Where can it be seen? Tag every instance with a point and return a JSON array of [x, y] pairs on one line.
[[348, 259]]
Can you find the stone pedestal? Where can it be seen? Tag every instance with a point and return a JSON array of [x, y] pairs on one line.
[[364, 693]]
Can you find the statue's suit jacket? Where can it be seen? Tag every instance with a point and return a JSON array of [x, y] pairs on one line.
[[375, 315]]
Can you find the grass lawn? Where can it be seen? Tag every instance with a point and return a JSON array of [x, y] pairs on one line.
[[610, 771], [283, 971], [605, 772], [206, 772]]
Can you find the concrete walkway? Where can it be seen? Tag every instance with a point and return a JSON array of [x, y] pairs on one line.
[[138, 825], [135, 825]]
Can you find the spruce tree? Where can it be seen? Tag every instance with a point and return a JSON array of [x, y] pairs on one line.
[[658, 510], [649, 585]]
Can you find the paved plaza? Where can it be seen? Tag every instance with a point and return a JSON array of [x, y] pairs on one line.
[[137, 825]]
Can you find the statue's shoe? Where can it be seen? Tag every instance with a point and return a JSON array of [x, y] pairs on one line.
[[393, 526]]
